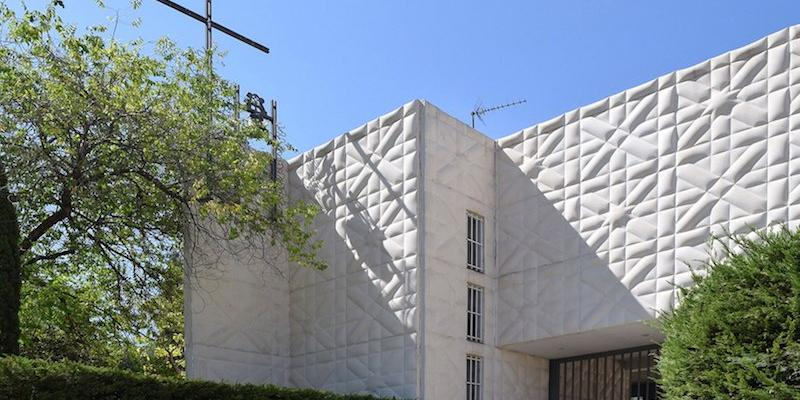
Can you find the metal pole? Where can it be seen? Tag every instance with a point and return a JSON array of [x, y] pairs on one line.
[[236, 98], [274, 166], [208, 25], [209, 41]]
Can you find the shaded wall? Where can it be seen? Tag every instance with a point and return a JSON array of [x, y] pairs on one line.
[[236, 308], [459, 176], [639, 182]]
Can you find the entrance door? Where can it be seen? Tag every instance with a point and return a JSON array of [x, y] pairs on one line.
[[619, 375]]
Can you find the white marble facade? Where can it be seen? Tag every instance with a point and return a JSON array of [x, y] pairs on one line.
[[592, 220]]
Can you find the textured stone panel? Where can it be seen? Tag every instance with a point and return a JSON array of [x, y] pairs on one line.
[[519, 376], [459, 177], [610, 204], [237, 309], [354, 325]]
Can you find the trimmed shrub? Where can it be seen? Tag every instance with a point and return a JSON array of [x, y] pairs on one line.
[[22, 378], [736, 333]]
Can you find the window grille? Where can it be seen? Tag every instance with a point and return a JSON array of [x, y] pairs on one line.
[[475, 260], [627, 374], [474, 377], [474, 313]]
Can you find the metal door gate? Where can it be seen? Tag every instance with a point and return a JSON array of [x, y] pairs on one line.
[[627, 374]]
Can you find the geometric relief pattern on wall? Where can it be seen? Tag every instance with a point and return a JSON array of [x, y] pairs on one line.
[[520, 376], [459, 167], [624, 193], [238, 307], [459, 175], [353, 325]]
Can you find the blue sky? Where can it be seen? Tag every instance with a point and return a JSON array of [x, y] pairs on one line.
[[337, 64]]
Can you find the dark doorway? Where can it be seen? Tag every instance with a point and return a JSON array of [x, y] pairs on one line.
[[627, 374]]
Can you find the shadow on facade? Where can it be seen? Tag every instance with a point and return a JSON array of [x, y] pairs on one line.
[[353, 325], [572, 300]]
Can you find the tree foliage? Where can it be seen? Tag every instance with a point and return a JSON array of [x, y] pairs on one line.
[[736, 333], [117, 154], [77, 318]]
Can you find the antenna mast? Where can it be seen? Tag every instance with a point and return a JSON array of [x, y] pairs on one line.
[[480, 111]]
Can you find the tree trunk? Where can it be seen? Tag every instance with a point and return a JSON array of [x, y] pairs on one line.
[[10, 269]]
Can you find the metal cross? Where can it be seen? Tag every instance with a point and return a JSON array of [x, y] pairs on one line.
[[211, 25], [254, 102]]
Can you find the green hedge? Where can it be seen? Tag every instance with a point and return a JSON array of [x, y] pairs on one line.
[[736, 334], [22, 378]]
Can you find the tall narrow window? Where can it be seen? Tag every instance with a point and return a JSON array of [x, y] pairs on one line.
[[474, 242], [474, 313], [474, 377]]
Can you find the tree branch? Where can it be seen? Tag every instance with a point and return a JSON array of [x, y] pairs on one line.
[[51, 256], [162, 187], [64, 210]]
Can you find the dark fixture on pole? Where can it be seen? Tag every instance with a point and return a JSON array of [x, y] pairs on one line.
[[255, 107]]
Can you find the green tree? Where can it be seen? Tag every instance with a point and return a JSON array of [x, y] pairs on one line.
[[117, 154], [736, 333], [76, 317]]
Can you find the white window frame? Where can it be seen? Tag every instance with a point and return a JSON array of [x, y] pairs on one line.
[[475, 307], [474, 377], [475, 242]]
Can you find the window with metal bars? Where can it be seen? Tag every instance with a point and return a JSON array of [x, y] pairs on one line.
[[627, 374], [475, 242], [474, 313], [474, 377]]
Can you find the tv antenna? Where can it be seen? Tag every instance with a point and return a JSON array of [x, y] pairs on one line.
[[479, 111]]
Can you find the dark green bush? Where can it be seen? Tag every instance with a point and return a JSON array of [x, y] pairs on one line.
[[736, 333], [22, 378]]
